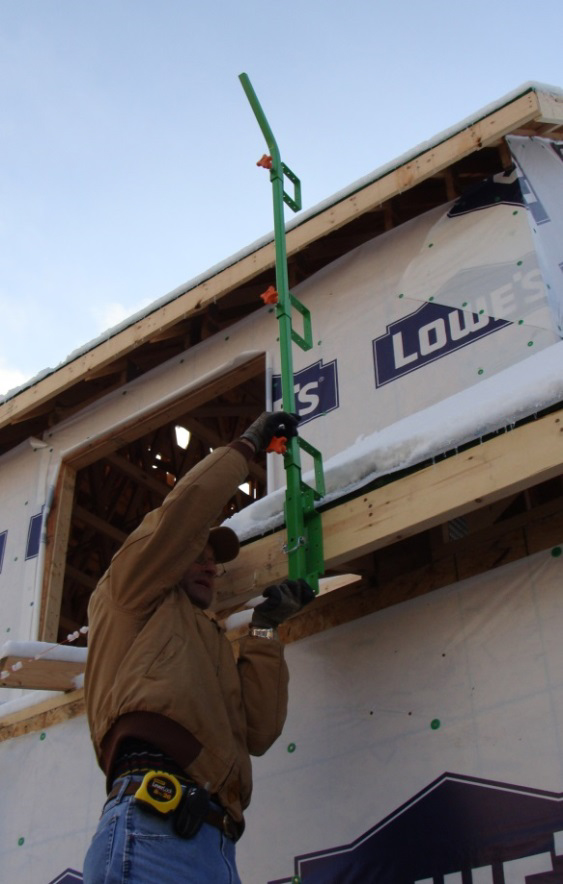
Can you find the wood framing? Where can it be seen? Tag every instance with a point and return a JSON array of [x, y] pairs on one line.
[[58, 528], [40, 675], [461, 483], [65, 575], [35, 718]]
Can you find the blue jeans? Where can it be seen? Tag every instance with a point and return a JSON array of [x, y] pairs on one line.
[[139, 847]]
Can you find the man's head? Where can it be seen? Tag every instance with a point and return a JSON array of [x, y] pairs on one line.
[[224, 543], [199, 580]]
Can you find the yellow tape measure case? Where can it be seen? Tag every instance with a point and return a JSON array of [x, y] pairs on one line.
[[159, 791]]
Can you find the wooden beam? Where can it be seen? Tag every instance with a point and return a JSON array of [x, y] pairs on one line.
[[487, 554], [85, 580], [99, 524], [58, 531], [489, 130], [424, 499], [221, 410], [42, 715], [40, 675], [346, 606], [140, 476], [551, 108]]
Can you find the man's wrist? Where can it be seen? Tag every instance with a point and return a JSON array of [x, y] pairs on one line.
[[244, 447], [267, 632]]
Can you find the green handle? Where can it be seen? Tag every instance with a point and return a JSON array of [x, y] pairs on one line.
[[304, 529]]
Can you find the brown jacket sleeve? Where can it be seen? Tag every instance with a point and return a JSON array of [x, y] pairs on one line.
[[264, 680], [157, 554]]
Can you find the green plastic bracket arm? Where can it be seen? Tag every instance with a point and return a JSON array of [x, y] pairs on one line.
[[304, 546]]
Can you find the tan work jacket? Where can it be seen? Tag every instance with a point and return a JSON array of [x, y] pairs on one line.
[[161, 669]]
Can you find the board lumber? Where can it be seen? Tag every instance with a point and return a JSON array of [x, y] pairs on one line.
[[423, 499], [41, 674], [35, 718]]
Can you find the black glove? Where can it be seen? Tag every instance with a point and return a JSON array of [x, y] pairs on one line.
[[269, 424], [282, 601]]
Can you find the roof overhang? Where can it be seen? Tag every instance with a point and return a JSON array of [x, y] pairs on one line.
[[100, 365]]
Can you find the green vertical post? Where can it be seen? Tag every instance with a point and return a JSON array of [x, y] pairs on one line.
[[303, 523]]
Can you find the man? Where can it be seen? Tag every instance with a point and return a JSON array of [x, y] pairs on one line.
[[173, 718]]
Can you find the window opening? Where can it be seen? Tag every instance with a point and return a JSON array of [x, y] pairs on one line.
[[115, 491]]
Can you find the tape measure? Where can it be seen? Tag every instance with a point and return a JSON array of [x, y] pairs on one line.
[[159, 791]]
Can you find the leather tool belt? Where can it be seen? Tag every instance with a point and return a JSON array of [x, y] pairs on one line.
[[189, 805]]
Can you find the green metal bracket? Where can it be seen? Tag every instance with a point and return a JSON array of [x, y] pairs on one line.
[[295, 202], [305, 341], [304, 528]]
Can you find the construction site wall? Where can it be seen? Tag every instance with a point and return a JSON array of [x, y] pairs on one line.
[[443, 703]]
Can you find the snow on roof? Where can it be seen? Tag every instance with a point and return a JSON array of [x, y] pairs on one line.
[[31, 698], [492, 404], [304, 216]]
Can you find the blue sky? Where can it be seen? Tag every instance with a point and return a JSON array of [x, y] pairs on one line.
[[128, 148]]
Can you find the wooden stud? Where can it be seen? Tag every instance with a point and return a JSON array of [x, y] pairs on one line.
[[100, 525], [140, 476], [58, 531]]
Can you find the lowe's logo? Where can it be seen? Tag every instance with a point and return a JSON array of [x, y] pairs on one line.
[[432, 331], [316, 390]]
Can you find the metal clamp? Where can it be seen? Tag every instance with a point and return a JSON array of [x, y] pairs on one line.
[[301, 541]]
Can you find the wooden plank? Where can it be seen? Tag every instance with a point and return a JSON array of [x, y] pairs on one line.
[[551, 108], [40, 675], [445, 571], [482, 133], [99, 524], [345, 606], [487, 131], [58, 530], [42, 715], [545, 532], [491, 553], [84, 580], [140, 476], [472, 479]]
